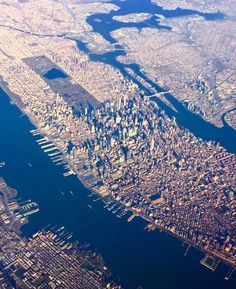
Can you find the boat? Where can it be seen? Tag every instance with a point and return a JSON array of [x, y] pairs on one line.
[[2, 164]]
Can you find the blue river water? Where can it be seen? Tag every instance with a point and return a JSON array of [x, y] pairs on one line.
[[137, 258]]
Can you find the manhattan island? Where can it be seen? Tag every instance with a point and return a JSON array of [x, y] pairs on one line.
[[121, 145]]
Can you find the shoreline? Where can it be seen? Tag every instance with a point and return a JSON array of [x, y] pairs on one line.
[[10, 194]]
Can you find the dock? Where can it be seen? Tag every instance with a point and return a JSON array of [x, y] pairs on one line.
[[68, 173], [229, 274], [132, 217], [210, 262]]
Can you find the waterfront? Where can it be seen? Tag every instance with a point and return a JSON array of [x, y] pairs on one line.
[[153, 260]]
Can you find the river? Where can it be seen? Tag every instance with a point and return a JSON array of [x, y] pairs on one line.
[[152, 260]]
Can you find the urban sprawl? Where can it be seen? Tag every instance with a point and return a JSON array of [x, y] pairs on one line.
[[120, 144]]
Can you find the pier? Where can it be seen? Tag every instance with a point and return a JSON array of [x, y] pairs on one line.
[[132, 217], [210, 262]]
